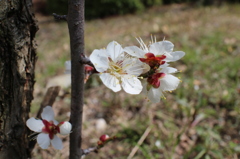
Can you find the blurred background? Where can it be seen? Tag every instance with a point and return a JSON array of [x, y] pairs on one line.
[[199, 120]]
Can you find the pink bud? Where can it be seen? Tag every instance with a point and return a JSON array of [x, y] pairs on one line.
[[104, 138], [88, 68]]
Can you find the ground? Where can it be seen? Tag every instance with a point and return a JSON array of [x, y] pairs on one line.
[[198, 120]]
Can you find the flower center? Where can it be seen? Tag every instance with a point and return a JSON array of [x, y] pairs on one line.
[[50, 128], [152, 60], [154, 80], [115, 68]]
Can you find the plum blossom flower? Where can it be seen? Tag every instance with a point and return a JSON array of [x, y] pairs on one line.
[[118, 69], [47, 128], [156, 54], [159, 82]]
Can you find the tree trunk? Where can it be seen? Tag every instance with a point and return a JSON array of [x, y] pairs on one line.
[[17, 63]]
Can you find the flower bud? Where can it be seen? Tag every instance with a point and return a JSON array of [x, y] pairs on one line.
[[104, 138], [65, 128]]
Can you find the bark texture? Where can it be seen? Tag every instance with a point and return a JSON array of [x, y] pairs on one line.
[[17, 62], [75, 19]]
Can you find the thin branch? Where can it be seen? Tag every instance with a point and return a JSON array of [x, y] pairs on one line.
[[49, 98], [60, 17], [85, 60], [135, 149]]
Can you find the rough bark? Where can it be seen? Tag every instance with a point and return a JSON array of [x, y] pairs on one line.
[[17, 62], [75, 19]]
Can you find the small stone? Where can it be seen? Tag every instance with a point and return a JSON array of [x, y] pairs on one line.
[[101, 124]]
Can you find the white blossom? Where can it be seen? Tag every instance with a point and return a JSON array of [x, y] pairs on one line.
[[158, 49], [48, 128], [160, 82], [117, 69]]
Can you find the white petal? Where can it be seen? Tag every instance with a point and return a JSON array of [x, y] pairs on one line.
[[110, 81], [162, 47], [133, 66], [48, 113], [155, 94], [169, 83], [169, 70], [99, 58], [114, 50], [164, 65], [134, 51], [65, 128], [68, 67], [131, 85], [35, 124], [57, 143], [175, 56], [55, 122], [43, 140]]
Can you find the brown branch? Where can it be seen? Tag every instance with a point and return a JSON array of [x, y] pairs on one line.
[[60, 17], [85, 60], [49, 98], [76, 16]]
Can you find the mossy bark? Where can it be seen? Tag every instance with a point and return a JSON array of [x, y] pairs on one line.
[[17, 63]]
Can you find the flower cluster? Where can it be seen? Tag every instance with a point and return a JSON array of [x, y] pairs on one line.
[[47, 128], [124, 67]]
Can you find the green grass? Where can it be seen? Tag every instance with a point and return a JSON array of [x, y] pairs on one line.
[[210, 37]]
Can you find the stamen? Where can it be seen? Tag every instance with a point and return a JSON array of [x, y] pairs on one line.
[[145, 47], [141, 45], [151, 39]]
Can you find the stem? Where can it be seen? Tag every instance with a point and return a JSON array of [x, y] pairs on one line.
[[76, 30], [60, 17]]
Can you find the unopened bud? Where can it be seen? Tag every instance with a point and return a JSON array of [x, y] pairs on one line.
[[104, 138], [65, 128], [88, 68]]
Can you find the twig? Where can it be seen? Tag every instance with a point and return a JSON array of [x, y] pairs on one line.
[[135, 149], [49, 98], [85, 60], [60, 17]]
